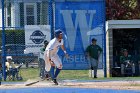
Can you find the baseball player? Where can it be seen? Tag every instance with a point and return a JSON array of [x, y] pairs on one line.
[[126, 61], [93, 53], [43, 74], [52, 59]]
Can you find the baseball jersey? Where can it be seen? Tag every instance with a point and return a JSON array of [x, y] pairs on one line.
[[93, 51], [123, 58], [51, 52], [54, 45]]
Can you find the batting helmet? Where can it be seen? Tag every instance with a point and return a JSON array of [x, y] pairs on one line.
[[58, 32], [46, 42]]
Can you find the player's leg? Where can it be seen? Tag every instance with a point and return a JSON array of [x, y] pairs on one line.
[[47, 75], [133, 69], [58, 65], [57, 72], [47, 61], [122, 69], [55, 76], [94, 64], [95, 71], [90, 63], [52, 72]]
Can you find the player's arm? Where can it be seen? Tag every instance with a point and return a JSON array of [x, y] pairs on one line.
[[63, 48], [100, 50], [87, 54]]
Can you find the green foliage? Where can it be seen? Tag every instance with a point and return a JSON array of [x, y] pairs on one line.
[[122, 9]]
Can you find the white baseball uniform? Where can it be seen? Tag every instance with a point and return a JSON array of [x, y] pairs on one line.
[[51, 53]]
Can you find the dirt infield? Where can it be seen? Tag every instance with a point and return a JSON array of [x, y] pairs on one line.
[[126, 85], [119, 85]]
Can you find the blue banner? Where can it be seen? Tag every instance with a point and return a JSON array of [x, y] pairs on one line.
[[80, 21]]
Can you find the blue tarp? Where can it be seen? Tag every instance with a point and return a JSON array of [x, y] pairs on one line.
[[65, 90]]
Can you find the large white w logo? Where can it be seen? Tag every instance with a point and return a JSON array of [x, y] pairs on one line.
[[81, 21]]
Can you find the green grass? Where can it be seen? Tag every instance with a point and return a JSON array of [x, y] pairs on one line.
[[30, 73], [33, 73], [74, 74]]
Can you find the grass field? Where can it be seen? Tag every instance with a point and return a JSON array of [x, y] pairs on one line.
[[81, 79], [33, 73]]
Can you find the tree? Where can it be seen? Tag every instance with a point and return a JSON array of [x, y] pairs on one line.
[[122, 9]]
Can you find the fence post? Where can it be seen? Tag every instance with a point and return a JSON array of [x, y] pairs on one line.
[[105, 67], [3, 42], [51, 23]]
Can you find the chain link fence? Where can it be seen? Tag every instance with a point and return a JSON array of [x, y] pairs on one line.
[[21, 13], [17, 14]]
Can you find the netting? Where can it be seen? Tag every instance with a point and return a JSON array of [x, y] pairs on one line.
[[29, 23]]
